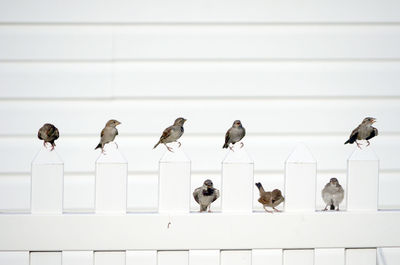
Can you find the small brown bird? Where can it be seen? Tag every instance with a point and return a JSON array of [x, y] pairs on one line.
[[332, 194], [270, 199], [234, 135], [48, 133], [108, 134], [364, 131], [172, 134], [205, 195]]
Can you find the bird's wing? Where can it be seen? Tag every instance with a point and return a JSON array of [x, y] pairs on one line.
[[353, 135], [56, 133], [166, 133], [196, 194], [373, 134], [39, 134], [265, 198], [227, 135], [102, 132], [216, 195]]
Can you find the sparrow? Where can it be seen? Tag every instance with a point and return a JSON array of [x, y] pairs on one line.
[[268, 198], [205, 195], [364, 131], [48, 133], [332, 194], [172, 134], [234, 135], [108, 134]]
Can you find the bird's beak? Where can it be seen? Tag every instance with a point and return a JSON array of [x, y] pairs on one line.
[[374, 120], [118, 123], [185, 120]]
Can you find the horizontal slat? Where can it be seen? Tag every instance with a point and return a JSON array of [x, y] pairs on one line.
[[257, 42], [256, 79], [268, 152], [140, 117], [199, 42], [194, 11], [55, 42], [199, 79], [20, 232], [55, 80]]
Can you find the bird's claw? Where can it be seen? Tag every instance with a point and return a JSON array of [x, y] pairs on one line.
[[116, 144], [276, 210], [170, 149], [231, 147], [368, 143], [241, 144], [179, 144]]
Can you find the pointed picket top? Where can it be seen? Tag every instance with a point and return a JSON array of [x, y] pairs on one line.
[[301, 154], [364, 154], [237, 155], [47, 157], [112, 154], [178, 155]]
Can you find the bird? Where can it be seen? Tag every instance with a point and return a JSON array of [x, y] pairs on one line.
[[332, 194], [270, 199], [364, 131], [172, 134], [234, 135], [48, 133], [108, 134], [205, 195]]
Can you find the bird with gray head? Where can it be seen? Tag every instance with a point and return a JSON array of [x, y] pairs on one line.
[[332, 194], [269, 198], [364, 131], [205, 195], [108, 134], [234, 135], [48, 133], [172, 134]]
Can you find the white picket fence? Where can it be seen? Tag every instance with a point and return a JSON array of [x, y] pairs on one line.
[[239, 234]]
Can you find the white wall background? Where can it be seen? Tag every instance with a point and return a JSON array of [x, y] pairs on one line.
[[292, 72]]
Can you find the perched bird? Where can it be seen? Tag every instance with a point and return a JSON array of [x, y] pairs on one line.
[[234, 134], [48, 133], [205, 195], [108, 134], [364, 131], [268, 198], [332, 194], [172, 134]]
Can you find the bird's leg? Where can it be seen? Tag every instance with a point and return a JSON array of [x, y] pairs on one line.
[[179, 143], [103, 151], [231, 147], [116, 144], [358, 144], [52, 147], [337, 209], [368, 143], [209, 208], [241, 144], [44, 144], [326, 208], [268, 211], [169, 148], [276, 210]]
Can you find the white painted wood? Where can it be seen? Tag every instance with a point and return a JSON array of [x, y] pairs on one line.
[[388, 256], [310, 118], [365, 256], [79, 193], [298, 257], [45, 258], [268, 152], [174, 182], [47, 181], [300, 180], [267, 256], [111, 181], [236, 257], [201, 257], [55, 80], [15, 194], [256, 42], [237, 181], [71, 232], [173, 258], [142, 193], [329, 256], [77, 258], [192, 11], [14, 257], [362, 180], [109, 257], [255, 79], [145, 257], [62, 42]]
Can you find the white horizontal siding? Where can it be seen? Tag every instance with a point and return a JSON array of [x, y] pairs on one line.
[[176, 11], [199, 42], [144, 117]]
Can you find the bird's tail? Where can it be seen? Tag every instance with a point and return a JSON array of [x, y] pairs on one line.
[[98, 146], [203, 208], [332, 206], [260, 187], [348, 141], [225, 145], [157, 144]]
